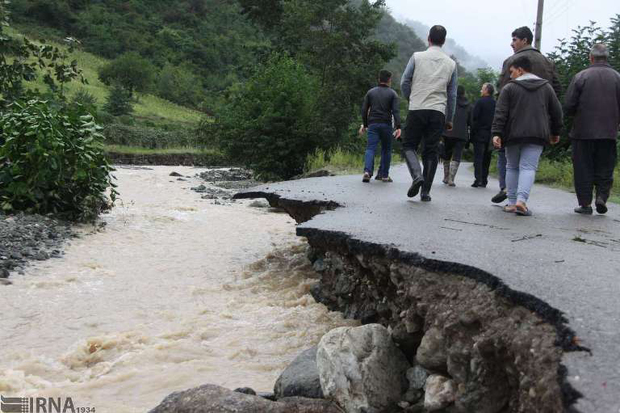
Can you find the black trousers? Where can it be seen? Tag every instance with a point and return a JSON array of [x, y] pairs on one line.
[[453, 149], [593, 167], [482, 162], [424, 126]]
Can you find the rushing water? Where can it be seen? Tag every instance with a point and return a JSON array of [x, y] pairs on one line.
[[173, 293]]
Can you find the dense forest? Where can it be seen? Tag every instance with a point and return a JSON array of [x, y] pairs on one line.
[[209, 44]]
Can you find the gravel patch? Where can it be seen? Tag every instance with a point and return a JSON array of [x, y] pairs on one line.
[[25, 238]]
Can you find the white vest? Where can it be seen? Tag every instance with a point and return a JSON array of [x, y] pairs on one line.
[[432, 73]]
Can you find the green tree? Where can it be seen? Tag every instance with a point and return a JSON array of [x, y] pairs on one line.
[[179, 85], [269, 122], [22, 60], [334, 40], [118, 102], [131, 71]]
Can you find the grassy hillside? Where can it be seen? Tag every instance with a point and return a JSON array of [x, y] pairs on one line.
[[148, 108]]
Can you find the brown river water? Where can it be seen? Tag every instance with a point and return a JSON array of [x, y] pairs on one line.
[[173, 293]]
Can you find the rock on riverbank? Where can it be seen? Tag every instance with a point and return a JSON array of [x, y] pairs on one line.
[[25, 238]]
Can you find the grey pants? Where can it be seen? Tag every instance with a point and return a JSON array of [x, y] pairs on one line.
[[521, 171]]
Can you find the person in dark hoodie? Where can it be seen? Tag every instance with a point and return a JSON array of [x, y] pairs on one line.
[[455, 139], [482, 119], [528, 116], [542, 67]]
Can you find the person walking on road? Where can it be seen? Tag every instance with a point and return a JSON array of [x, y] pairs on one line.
[[528, 116], [379, 108], [456, 139], [482, 120], [542, 67], [429, 82], [593, 97]]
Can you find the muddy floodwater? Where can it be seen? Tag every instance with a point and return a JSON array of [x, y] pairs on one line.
[[172, 293]]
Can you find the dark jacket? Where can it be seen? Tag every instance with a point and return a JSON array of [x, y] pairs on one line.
[[594, 98], [482, 119], [541, 67], [527, 111], [462, 120], [380, 104]]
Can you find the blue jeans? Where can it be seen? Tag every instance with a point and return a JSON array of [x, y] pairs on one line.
[[522, 163], [379, 132], [501, 168]]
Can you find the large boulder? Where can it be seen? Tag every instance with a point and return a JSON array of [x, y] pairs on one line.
[[362, 369], [211, 398], [300, 378]]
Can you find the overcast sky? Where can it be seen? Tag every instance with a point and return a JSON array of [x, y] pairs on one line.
[[483, 27]]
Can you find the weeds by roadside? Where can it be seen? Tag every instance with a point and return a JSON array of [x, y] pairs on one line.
[[342, 162]]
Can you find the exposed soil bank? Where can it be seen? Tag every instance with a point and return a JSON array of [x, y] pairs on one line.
[[502, 348]]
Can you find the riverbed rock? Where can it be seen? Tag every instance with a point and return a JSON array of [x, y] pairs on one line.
[[417, 376], [362, 369], [245, 390], [432, 351], [440, 393], [300, 378], [210, 398]]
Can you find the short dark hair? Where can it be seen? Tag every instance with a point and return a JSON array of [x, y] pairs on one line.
[[522, 62], [524, 33], [460, 91], [490, 89], [437, 35], [384, 76]]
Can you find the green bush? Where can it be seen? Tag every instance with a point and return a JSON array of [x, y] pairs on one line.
[[131, 71], [151, 138], [118, 102], [179, 85], [269, 123], [53, 162]]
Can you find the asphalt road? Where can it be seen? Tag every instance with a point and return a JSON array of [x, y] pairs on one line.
[[569, 261]]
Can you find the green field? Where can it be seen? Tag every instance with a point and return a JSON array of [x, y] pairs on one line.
[[148, 108]]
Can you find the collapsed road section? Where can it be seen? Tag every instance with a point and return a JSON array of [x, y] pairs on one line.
[[520, 312]]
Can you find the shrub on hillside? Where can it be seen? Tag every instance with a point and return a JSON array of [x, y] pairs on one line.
[[118, 102], [269, 122], [179, 85], [53, 162]]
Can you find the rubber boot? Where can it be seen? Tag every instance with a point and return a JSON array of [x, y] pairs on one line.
[[454, 167], [411, 159], [430, 168], [446, 172]]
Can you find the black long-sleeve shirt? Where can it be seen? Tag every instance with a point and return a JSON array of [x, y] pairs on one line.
[[380, 104]]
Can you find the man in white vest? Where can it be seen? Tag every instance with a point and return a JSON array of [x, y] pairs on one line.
[[429, 83]]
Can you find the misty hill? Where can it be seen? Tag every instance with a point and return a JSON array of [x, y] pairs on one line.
[[406, 40], [468, 61]]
